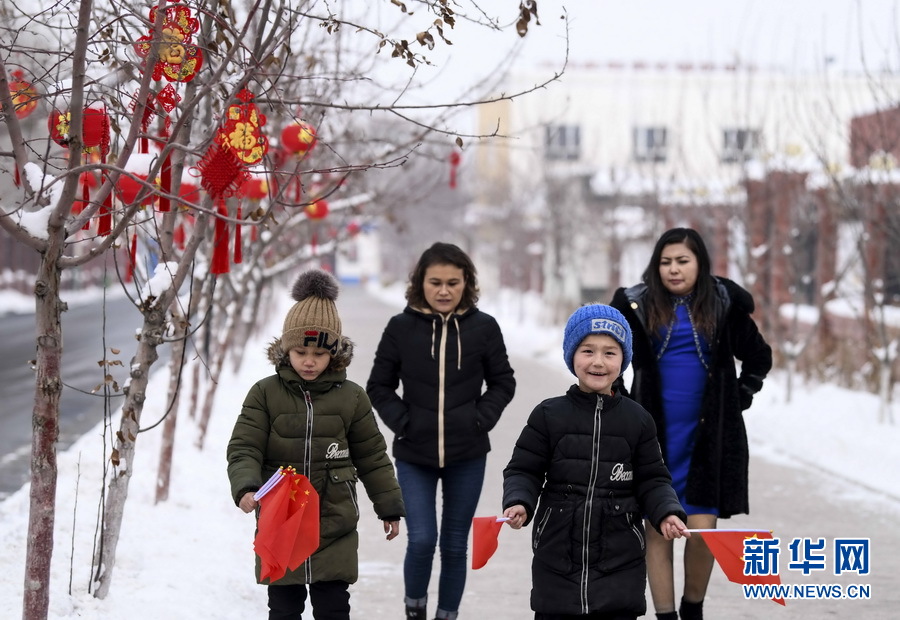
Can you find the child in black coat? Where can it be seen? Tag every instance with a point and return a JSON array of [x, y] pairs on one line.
[[585, 468]]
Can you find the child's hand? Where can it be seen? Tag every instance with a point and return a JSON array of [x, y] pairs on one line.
[[248, 504], [516, 515], [672, 527], [392, 529]]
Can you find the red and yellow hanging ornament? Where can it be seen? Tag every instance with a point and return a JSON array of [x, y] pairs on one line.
[[299, 138], [237, 144], [317, 210], [95, 133], [179, 59], [23, 95]]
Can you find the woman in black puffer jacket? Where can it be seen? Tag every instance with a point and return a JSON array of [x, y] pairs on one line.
[[451, 361]]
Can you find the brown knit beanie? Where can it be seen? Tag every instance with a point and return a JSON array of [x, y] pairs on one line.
[[313, 321]]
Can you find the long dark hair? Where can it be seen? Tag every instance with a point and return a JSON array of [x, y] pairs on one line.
[[660, 309], [442, 254]]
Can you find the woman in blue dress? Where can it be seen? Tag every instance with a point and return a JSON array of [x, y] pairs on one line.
[[689, 328]]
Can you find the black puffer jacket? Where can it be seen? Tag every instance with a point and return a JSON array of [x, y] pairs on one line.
[[594, 462], [444, 364], [326, 430], [718, 474]]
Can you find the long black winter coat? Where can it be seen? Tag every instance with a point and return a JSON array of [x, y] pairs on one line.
[[327, 431], [718, 475], [592, 466], [456, 382]]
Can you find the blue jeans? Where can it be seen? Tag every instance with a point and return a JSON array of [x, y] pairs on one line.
[[460, 487]]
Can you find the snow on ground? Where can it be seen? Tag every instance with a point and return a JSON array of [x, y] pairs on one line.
[[168, 549]]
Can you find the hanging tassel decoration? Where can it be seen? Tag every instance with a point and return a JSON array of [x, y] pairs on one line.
[[132, 258], [238, 250], [104, 224], [454, 164], [178, 236], [220, 263], [165, 181]]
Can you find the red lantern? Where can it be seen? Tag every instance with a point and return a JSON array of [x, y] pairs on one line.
[[95, 124], [353, 228], [255, 188], [299, 137], [94, 127], [23, 94], [189, 193], [127, 189], [317, 210]]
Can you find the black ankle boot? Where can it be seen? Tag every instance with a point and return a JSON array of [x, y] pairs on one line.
[[669, 615], [416, 613], [690, 611]]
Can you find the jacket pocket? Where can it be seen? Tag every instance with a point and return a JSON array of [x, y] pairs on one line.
[[623, 540], [338, 506], [552, 538]]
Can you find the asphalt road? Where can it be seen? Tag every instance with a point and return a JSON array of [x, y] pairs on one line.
[[84, 331]]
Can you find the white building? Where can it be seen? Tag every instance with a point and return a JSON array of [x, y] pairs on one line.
[[604, 137]]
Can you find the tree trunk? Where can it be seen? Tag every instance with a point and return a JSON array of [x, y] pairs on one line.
[[45, 423], [176, 367], [123, 454], [220, 351]]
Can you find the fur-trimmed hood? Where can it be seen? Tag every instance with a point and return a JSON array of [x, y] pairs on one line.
[[339, 361]]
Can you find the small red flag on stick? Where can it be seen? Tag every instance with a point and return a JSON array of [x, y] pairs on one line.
[[485, 531], [727, 546], [288, 527]]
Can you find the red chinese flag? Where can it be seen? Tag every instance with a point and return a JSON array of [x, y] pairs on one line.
[[485, 531], [287, 532], [727, 546]]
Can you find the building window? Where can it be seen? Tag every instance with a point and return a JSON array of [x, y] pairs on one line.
[[650, 144], [562, 142], [739, 145]]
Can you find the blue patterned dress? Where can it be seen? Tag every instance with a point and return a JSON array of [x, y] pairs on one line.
[[683, 357]]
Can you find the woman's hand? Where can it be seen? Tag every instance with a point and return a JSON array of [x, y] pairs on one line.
[[392, 529]]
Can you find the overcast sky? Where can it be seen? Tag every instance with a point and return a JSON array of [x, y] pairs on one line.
[[786, 33], [792, 35]]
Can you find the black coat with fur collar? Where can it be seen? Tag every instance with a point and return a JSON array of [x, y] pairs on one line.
[[718, 474]]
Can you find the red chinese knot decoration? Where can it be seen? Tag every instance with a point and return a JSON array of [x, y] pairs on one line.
[[238, 143], [179, 59]]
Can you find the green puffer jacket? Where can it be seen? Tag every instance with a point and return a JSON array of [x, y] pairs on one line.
[[327, 431]]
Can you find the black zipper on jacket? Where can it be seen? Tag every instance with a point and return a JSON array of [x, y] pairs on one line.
[[442, 385], [588, 507], [307, 466]]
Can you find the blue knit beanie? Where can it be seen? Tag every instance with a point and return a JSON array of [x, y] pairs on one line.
[[596, 319]]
